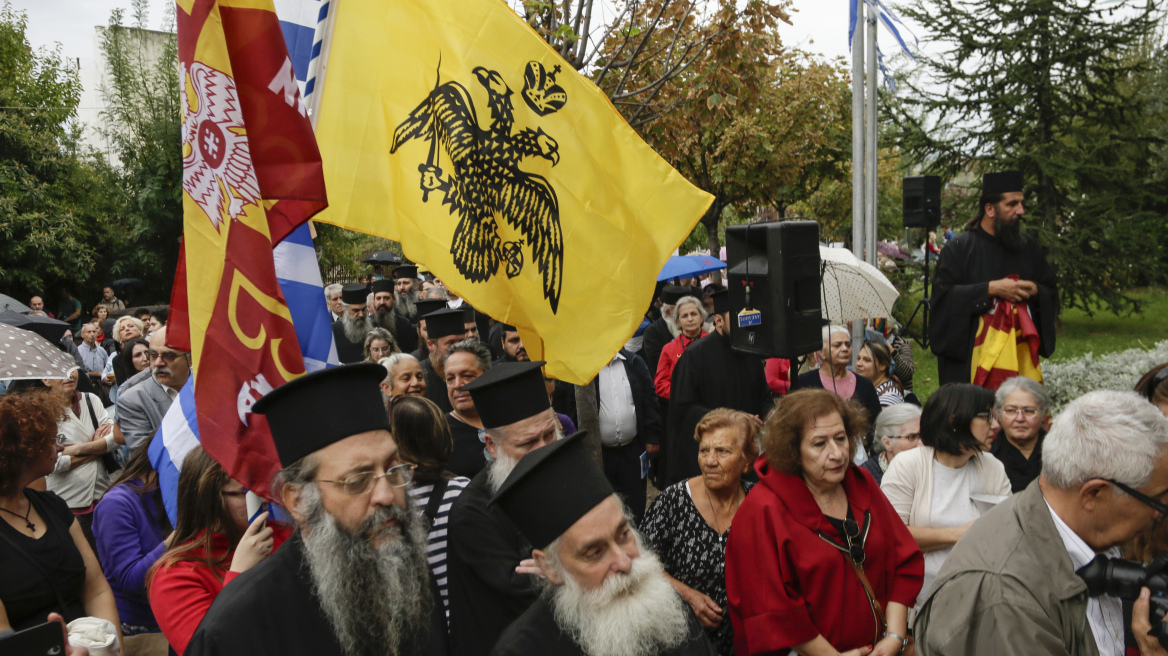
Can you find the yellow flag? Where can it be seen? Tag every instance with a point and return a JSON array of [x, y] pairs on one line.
[[452, 127]]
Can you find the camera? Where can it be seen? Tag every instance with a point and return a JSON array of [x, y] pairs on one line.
[[1123, 579]]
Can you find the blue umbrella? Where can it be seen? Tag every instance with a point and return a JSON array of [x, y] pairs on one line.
[[689, 266]]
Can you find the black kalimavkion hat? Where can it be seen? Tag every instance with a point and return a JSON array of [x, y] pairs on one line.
[[354, 294], [406, 271], [316, 410], [445, 323], [1000, 182], [383, 285], [509, 392]]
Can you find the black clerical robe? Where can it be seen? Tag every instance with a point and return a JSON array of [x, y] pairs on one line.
[[709, 375], [961, 295], [486, 595], [405, 333], [656, 336], [272, 609], [435, 386], [537, 634], [347, 352]]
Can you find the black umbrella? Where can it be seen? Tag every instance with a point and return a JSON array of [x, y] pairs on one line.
[[383, 257], [119, 285], [9, 303], [50, 329]]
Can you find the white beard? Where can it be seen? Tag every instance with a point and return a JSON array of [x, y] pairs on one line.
[[500, 469], [669, 313], [634, 614]]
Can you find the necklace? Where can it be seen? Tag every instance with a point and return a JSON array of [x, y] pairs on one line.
[[31, 525], [717, 527]]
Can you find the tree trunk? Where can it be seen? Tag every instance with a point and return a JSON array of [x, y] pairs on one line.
[[710, 221], [588, 417]]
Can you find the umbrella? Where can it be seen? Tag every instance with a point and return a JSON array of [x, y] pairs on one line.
[[24, 355], [853, 289], [382, 257], [9, 303], [50, 329], [688, 266], [119, 285]]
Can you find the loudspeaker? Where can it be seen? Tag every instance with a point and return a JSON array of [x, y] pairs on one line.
[[922, 201], [774, 269]]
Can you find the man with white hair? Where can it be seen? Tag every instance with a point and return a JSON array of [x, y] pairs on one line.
[[1010, 586], [607, 594], [353, 578], [662, 331], [332, 298], [488, 591]]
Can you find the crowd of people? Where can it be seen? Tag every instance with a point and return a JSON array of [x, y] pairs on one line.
[[435, 497]]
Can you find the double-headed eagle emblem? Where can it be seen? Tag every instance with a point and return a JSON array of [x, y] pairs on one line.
[[486, 183]]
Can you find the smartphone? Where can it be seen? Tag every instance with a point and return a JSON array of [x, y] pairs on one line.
[[46, 639]]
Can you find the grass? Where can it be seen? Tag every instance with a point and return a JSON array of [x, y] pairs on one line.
[[1078, 335]]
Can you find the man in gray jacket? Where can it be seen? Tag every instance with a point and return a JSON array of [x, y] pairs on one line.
[[142, 406], [1010, 587]]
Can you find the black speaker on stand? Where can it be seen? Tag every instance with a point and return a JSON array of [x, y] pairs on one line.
[[773, 279], [922, 209]]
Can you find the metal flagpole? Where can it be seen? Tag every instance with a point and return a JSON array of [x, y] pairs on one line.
[[858, 196], [870, 144]]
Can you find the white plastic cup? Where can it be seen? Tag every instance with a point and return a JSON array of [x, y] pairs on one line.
[[99, 636]]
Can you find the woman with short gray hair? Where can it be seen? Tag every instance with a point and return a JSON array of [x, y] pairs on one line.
[[897, 429], [833, 374], [1021, 406]]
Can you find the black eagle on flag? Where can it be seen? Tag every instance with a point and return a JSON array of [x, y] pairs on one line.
[[486, 182]]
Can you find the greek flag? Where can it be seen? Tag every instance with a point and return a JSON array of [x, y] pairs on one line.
[[888, 18], [303, 24]]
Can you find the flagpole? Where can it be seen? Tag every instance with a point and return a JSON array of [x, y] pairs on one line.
[[870, 144], [319, 65], [858, 196]]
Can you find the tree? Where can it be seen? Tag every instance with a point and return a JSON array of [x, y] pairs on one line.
[[1050, 88], [143, 123], [52, 200]]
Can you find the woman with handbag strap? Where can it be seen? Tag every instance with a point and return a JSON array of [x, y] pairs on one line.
[[46, 565]]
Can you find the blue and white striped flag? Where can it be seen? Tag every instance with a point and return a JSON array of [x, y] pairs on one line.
[[888, 18], [303, 23]]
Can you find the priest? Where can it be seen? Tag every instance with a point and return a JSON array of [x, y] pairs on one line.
[[406, 292], [664, 330], [350, 330], [710, 375], [444, 328], [385, 315], [489, 582], [992, 259], [353, 578], [425, 306], [606, 594]]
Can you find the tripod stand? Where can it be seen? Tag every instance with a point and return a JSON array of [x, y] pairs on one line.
[[923, 304]]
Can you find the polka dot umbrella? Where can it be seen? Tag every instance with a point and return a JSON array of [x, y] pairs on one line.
[[26, 355], [853, 289]]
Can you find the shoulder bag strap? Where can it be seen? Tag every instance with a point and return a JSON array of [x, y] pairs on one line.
[[89, 407], [436, 496], [49, 523]]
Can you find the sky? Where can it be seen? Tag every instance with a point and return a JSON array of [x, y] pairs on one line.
[[820, 26]]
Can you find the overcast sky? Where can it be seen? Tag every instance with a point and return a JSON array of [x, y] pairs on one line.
[[820, 26]]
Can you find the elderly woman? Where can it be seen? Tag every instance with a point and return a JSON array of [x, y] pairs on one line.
[[690, 315], [688, 523], [1154, 387], [874, 362], [819, 561], [931, 486], [379, 344], [833, 374], [898, 428], [1021, 407], [39, 536], [125, 329], [404, 376]]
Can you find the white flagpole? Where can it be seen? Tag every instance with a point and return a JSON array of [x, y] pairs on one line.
[[858, 196], [870, 144], [318, 67]]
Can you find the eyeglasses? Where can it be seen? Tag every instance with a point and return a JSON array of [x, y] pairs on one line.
[[167, 356], [1141, 497], [987, 415], [362, 482], [1029, 413], [1154, 384], [855, 549], [911, 437]]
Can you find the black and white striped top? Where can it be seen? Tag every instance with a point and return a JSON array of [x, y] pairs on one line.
[[436, 540]]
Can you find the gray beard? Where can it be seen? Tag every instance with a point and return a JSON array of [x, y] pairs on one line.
[[385, 317], [669, 313], [500, 469], [634, 614], [377, 599], [407, 304], [355, 329]]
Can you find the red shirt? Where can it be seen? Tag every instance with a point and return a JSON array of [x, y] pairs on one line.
[[669, 355], [182, 592], [778, 375], [786, 585]]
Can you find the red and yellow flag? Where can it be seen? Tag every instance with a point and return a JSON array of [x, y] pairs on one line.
[[1006, 345], [251, 174]]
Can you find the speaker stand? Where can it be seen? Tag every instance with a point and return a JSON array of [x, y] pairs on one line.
[[923, 304]]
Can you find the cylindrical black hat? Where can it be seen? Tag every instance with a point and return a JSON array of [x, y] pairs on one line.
[[1000, 182], [445, 323], [673, 293], [721, 301], [509, 392], [406, 271], [383, 285], [354, 294], [551, 489], [429, 305], [316, 410]]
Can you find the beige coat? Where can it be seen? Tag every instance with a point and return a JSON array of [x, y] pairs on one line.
[[908, 483], [1008, 589]]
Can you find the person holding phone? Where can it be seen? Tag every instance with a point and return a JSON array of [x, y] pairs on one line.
[[211, 545]]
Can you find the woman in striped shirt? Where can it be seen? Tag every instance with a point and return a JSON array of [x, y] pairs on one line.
[[874, 363]]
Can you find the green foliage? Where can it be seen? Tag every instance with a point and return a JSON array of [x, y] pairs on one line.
[[144, 122], [51, 200], [1058, 90], [341, 252]]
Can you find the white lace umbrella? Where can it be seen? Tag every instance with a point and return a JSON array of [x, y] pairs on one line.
[[852, 289], [25, 355]]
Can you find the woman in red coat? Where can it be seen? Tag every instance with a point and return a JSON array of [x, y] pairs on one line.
[[799, 538], [690, 315], [212, 543]]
